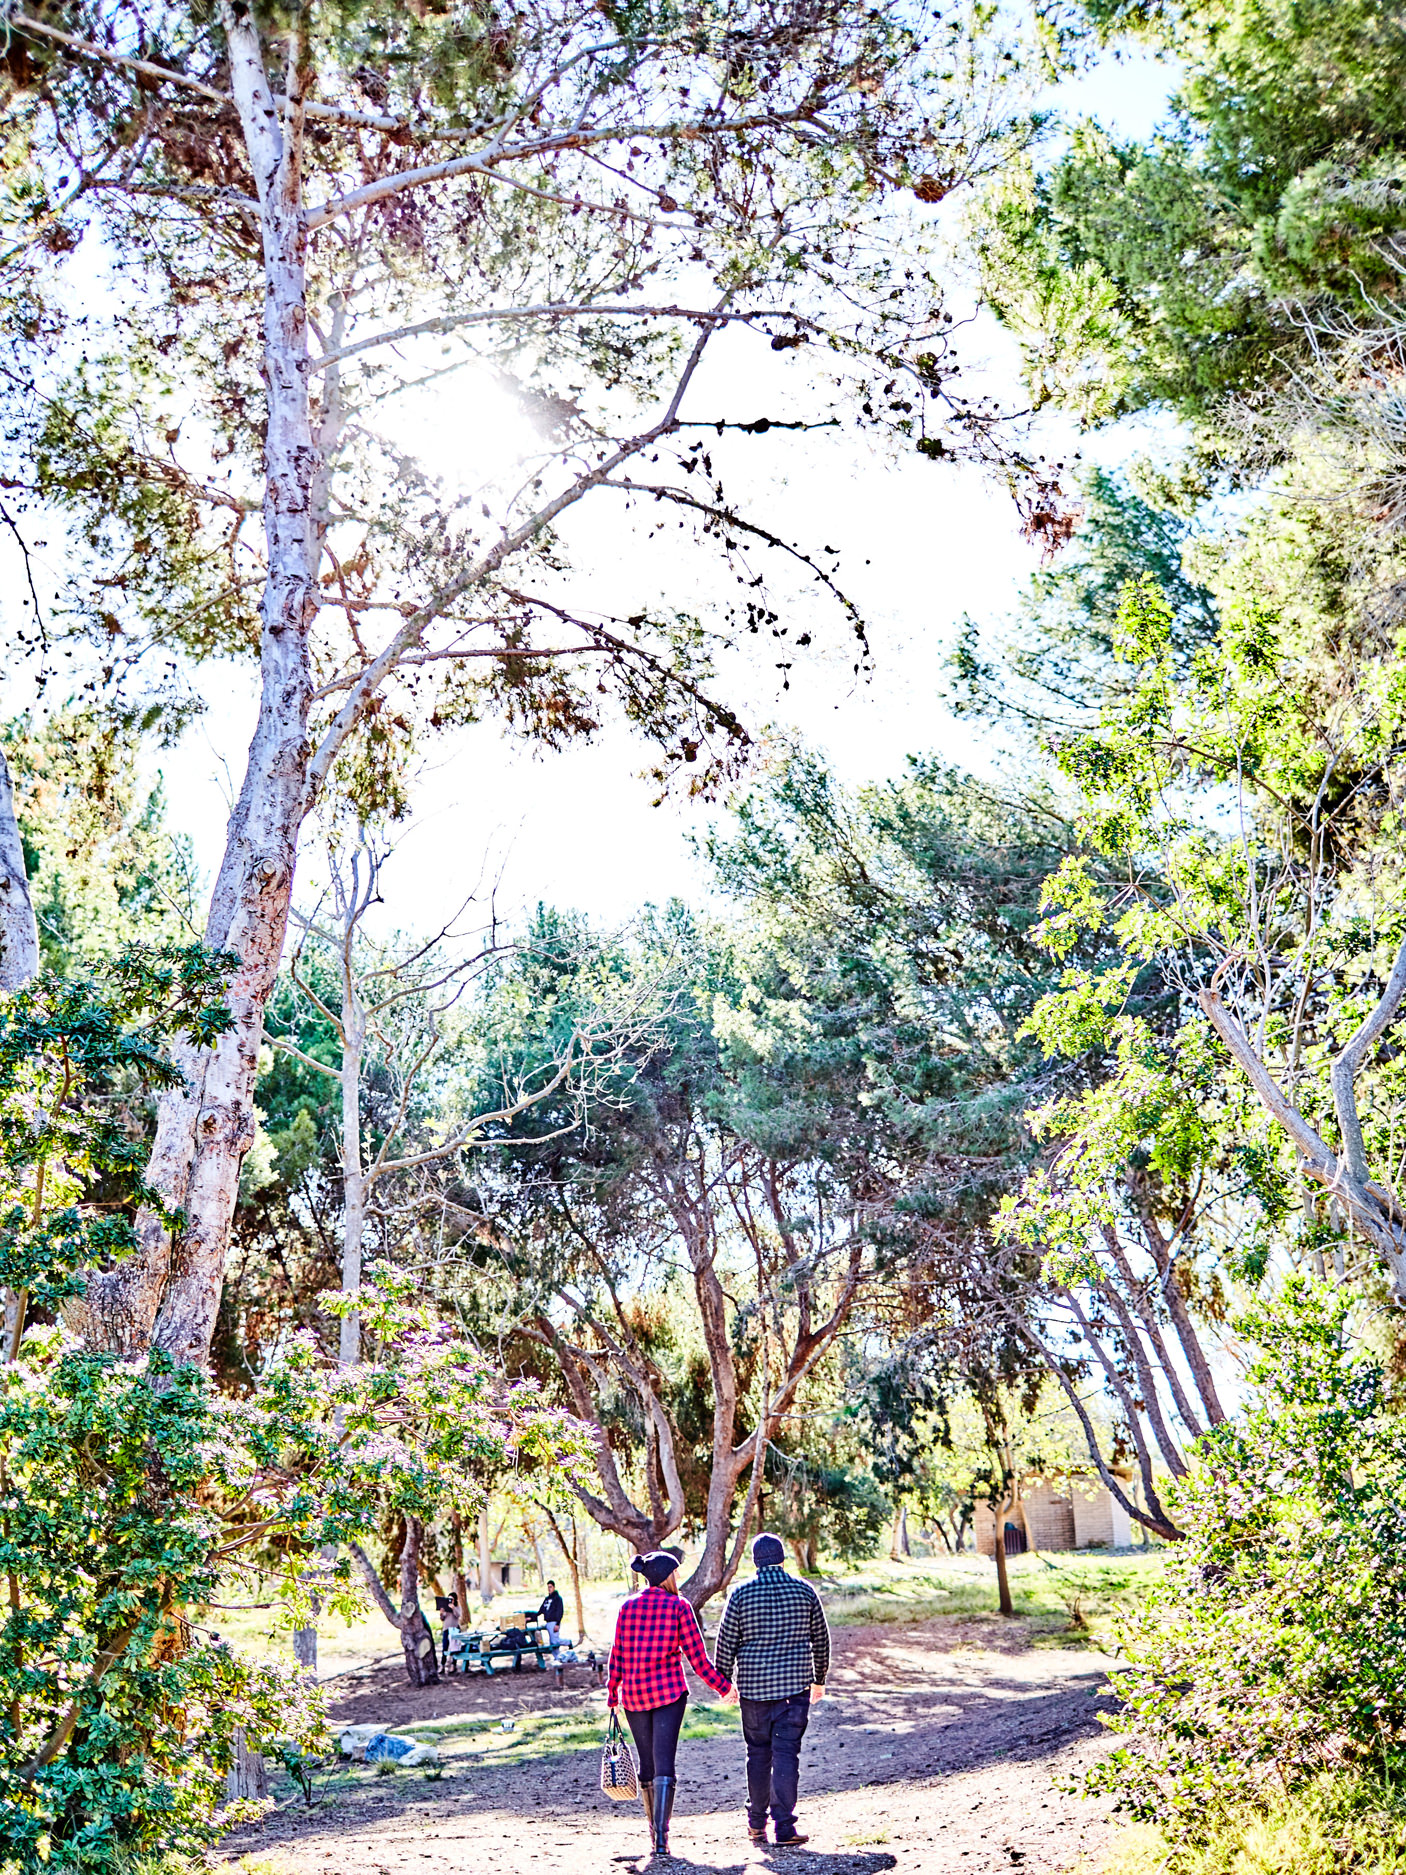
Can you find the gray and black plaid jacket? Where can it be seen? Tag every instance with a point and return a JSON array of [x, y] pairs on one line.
[[773, 1642]]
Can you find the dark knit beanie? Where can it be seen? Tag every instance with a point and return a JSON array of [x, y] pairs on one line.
[[657, 1567], [767, 1552]]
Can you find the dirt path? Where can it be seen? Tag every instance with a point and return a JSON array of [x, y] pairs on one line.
[[937, 1750]]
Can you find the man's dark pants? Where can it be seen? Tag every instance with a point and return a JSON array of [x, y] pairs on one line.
[[773, 1729]]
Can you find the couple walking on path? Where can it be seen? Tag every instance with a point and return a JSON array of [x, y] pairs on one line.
[[773, 1641]]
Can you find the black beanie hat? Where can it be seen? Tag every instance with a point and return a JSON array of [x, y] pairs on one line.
[[656, 1567], [767, 1552]]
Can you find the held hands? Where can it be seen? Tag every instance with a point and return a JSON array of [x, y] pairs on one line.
[[817, 1692], [729, 1698]]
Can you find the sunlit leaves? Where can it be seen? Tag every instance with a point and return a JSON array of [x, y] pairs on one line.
[[1276, 1642]]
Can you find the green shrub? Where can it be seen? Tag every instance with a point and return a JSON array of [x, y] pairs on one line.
[[1337, 1824], [130, 1488], [1275, 1646]]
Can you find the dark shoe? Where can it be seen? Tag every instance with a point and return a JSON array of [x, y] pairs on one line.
[[663, 1809], [791, 1842]]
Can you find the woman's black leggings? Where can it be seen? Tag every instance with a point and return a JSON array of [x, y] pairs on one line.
[[656, 1731]]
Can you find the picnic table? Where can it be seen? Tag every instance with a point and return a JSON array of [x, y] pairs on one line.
[[474, 1651]]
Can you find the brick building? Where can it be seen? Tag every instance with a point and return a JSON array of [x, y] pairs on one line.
[[1076, 1511]]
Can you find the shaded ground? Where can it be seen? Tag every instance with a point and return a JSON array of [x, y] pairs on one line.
[[936, 1750]]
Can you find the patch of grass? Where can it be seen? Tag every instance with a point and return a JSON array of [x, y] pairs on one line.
[[864, 1839], [709, 1721], [1068, 1599], [467, 1737], [1338, 1825]]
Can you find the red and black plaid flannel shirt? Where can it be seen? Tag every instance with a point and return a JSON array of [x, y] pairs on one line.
[[650, 1632]]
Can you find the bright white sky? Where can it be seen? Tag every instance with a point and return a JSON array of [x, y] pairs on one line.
[[922, 544]]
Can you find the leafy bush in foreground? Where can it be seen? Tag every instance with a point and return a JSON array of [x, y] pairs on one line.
[[1275, 1646], [130, 1489], [1339, 1824]]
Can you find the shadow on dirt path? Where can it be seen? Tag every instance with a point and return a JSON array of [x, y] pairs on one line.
[[928, 1755]]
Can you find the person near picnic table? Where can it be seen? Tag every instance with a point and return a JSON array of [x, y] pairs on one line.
[[774, 1641], [551, 1612], [653, 1631], [447, 1609]]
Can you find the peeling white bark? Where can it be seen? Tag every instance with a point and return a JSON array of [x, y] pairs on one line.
[[1374, 1210], [19, 964], [19, 934], [168, 1294], [486, 1590], [354, 1180]]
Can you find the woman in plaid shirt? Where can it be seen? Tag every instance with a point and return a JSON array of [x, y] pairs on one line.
[[652, 1631]]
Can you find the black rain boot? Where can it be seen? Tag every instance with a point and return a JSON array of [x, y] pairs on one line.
[[664, 1788], [647, 1799]]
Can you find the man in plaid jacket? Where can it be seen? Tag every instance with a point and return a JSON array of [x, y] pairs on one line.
[[773, 1642]]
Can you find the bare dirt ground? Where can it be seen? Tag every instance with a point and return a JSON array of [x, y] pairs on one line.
[[940, 1748]]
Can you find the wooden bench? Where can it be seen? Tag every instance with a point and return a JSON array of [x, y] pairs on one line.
[[594, 1663]]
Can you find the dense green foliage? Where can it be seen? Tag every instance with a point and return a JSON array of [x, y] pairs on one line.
[[1054, 665], [1215, 669], [1177, 270], [831, 1510], [120, 1715], [131, 1491], [104, 867], [1276, 1641]]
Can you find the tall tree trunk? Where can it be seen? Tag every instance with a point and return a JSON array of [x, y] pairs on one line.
[[899, 1547], [485, 1558], [19, 933], [1003, 1580], [1163, 1248], [416, 1638], [573, 1563], [305, 1648], [461, 1587], [19, 964], [1137, 1296], [710, 1570], [1191, 1346], [1147, 1379], [168, 1293], [416, 1635]]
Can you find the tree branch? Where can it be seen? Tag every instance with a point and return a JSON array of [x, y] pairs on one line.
[[562, 309], [376, 1586], [1348, 1064], [407, 639], [486, 162]]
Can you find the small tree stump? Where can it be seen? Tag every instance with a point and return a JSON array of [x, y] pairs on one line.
[[248, 1775]]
